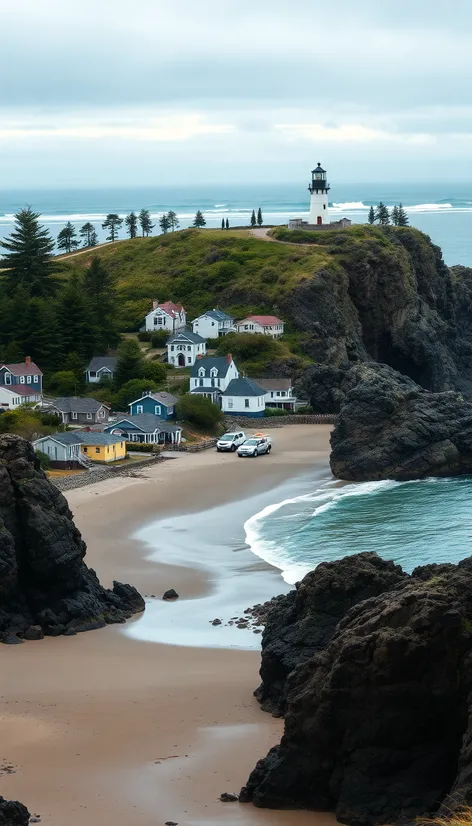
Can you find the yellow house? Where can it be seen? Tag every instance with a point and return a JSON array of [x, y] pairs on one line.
[[102, 447]]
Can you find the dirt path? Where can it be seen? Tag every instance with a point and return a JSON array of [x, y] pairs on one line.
[[263, 234]]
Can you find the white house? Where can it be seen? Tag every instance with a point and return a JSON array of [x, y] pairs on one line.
[[269, 325], [169, 317], [211, 376], [185, 348], [278, 393], [12, 397], [63, 449], [101, 368], [243, 397], [213, 324]]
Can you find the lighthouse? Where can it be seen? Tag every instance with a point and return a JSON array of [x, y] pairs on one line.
[[319, 188]]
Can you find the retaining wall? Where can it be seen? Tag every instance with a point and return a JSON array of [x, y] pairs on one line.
[[278, 421], [100, 474]]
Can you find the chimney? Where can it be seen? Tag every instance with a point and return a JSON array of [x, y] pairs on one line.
[[28, 360], [155, 304], [229, 358], [200, 356]]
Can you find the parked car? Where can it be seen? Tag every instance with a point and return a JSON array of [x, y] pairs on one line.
[[231, 441], [255, 446]]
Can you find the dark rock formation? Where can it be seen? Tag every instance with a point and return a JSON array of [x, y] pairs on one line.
[[45, 585], [13, 813], [302, 622], [390, 428], [375, 722], [170, 595]]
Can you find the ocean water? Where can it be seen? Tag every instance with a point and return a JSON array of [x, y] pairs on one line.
[[413, 523], [443, 211]]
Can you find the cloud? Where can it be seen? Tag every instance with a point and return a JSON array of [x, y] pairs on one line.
[[350, 133]]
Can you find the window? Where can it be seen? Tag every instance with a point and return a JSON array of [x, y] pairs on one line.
[[201, 382], [157, 410], [155, 320], [213, 383], [189, 359], [246, 402], [97, 450], [92, 374], [22, 379], [28, 379], [85, 449], [230, 403], [8, 378], [324, 206], [189, 347], [201, 372], [101, 413], [139, 408], [74, 415], [172, 347], [89, 415], [278, 392]]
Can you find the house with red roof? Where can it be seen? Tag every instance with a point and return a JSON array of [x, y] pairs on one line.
[[168, 316], [269, 325], [19, 384]]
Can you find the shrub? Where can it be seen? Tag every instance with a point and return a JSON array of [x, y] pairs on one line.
[[212, 343], [199, 411], [64, 383], [155, 371], [131, 391], [145, 336], [159, 339], [275, 411], [43, 458], [306, 410], [136, 447]]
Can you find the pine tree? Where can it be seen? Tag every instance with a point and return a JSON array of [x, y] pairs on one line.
[[131, 222], [99, 289], [394, 216], [145, 222], [199, 220], [223, 223], [130, 362], [227, 224], [87, 232], [371, 218], [259, 217], [173, 220], [253, 219], [66, 240], [113, 223], [403, 219], [382, 214], [164, 223], [79, 332], [28, 257]]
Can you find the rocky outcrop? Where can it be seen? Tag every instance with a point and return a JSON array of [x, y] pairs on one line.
[[45, 585], [390, 428], [302, 622], [377, 724], [13, 813]]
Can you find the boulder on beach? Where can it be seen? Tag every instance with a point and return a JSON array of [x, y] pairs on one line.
[[377, 723], [170, 595], [13, 813], [45, 586], [390, 428]]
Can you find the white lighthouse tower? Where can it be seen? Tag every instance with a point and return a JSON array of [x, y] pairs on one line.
[[319, 188]]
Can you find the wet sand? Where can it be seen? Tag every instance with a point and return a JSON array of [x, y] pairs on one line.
[[103, 728]]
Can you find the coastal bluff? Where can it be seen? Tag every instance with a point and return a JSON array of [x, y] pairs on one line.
[[377, 721], [45, 586]]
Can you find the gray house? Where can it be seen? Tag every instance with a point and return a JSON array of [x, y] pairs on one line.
[[145, 428], [63, 449], [101, 368], [78, 410]]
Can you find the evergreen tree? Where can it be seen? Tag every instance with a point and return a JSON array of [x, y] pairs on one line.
[[87, 232], [130, 363], [227, 224], [28, 257], [199, 220], [99, 289], [145, 222], [223, 223], [78, 324], [253, 219], [112, 223], [66, 240], [382, 214], [164, 223], [403, 219], [259, 217], [372, 217], [173, 220], [131, 222], [74, 364]]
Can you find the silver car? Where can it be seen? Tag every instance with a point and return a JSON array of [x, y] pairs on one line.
[[231, 441], [255, 446]]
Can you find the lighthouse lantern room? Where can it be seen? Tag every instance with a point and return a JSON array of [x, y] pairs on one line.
[[319, 188]]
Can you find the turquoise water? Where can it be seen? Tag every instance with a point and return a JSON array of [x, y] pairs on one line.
[[413, 523]]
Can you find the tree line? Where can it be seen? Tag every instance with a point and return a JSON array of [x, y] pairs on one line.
[[383, 216]]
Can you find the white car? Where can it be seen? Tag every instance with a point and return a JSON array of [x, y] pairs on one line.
[[231, 441], [255, 446]]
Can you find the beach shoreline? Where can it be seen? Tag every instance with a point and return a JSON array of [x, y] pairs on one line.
[[109, 727]]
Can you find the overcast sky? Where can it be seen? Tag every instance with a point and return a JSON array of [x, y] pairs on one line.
[[111, 92]]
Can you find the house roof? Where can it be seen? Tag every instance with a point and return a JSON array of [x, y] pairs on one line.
[[22, 389], [102, 362], [94, 438], [22, 369], [208, 363], [263, 320], [68, 438], [168, 307], [186, 335], [274, 384], [146, 422], [243, 387], [76, 404], [218, 315], [164, 398]]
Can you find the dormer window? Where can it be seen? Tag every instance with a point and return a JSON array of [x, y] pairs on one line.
[[201, 372], [22, 379], [213, 372]]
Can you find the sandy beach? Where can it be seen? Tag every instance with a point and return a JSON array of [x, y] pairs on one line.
[[119, 727]]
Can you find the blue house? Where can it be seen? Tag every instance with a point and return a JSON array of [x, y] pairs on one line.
[[20, 383], [160, 404], [145, 428]]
